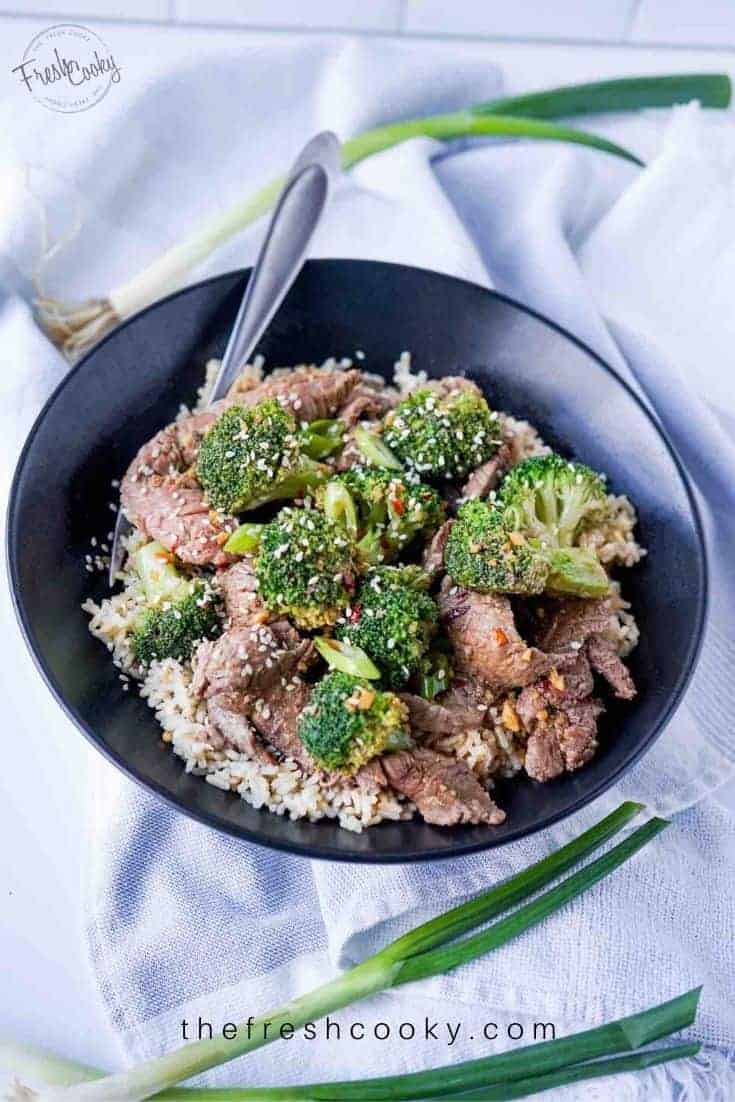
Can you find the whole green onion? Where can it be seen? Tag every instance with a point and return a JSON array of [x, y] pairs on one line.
[[524, 1088], [420, 953], [540, 1066], [76, 327]]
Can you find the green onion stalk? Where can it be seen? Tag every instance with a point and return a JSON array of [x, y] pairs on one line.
[[77, 327], [429, 950], [516, 1074]]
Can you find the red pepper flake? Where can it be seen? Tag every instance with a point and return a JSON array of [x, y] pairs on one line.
[[398, 506], [500, 637], [355, 614]]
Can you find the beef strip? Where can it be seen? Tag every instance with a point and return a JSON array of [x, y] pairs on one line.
[[277, 716], [250, 660], [230, 727], [160, 496], [433, 558], [366, 400], [240, 590], [579, 624], [563, 739], [444, 790], [255, 671], [310, 393], [486, 477], [487, 645], [573, 620], [606, 661], [574, 683], [446, 718]]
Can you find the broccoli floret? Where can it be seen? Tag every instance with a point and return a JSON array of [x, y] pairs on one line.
[[481, 553], [181, 611], [550, 499], [384, 511], [252, 456], [347, 722], [304, 566], [442, 438], [393, 622], [485, 551], [176, 628]]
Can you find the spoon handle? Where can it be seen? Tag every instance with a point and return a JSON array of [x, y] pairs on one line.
[[298, 210], [282, 254]]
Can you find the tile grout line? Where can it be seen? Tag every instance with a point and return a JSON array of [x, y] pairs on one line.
[[421, 36]]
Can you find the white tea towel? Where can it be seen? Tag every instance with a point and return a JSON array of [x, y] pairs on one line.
[[184, 922]]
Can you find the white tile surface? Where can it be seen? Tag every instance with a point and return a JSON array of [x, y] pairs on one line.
[[685, 22], [373, 15], [103, 9], [570, 19]]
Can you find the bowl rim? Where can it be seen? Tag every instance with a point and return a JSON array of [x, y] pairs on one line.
[[329, 852]]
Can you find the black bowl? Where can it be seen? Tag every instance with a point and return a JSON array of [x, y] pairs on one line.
[[133, 382]]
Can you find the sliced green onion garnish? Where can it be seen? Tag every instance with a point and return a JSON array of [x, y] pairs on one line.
[[244, 539], [370, 548], [294, 485], [346, 658], [375, 450], [339, 506], [321, 438]]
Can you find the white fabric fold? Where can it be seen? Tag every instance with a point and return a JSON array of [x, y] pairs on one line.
[[636, 263]]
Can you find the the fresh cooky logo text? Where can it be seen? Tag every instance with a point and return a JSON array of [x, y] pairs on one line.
[[67, 68]]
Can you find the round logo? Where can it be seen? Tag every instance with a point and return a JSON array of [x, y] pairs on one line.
[[68, 68]]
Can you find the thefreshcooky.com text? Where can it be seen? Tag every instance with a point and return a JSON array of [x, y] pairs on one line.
[[426, 1029]]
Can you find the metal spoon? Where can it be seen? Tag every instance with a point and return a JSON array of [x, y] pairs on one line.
[[282, 254]]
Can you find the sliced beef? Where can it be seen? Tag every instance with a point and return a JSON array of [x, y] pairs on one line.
[[231, 726], [578, 624], [446, 718], [240, 590], [606, 661], [372, 775], [250, 660], [433, 557], [254, 672], [160, 494], [487, 645], [562, 740], [160, 497], [444, 790], [277, 716], [366, 400], [560, 688], [310, 393], [572, 621], [486, 478]]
